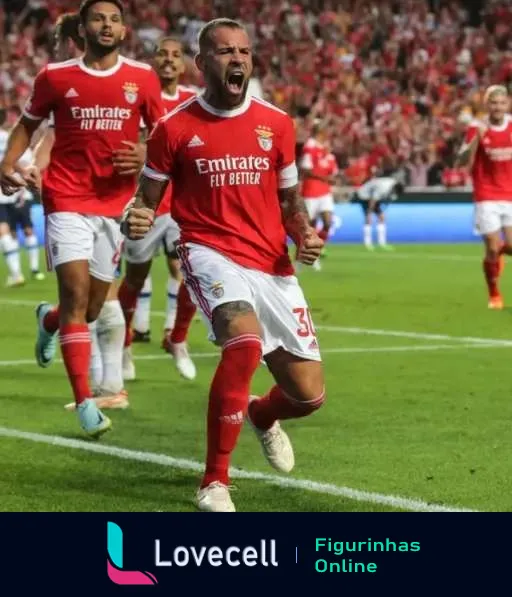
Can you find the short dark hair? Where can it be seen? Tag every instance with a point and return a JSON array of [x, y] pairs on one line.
[[167, 38], [67, 28], [86, 4], [204, 37]]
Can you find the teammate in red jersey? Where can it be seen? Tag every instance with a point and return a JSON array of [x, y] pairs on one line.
[[487, 150], [169, 65], [107, 332], [318, 170], [97, 101], [231, 158]]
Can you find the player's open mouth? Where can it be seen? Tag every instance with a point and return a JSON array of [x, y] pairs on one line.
[[235, 82]]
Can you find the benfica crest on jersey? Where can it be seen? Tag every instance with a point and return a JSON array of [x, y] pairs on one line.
[[130, 92], [264, 137]]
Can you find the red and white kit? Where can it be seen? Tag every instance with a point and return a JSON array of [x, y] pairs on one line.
[[164, 230], [316, 193], [492, 177], [94, 112], [226, 168]]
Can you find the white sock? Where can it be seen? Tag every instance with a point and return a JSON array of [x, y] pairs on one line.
[[32, 247], [381, 233], [141, 315], [111, 330], [11, 251], [95, 365], [367, 235], [172, 296]]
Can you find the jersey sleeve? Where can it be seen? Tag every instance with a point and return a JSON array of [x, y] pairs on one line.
[[286, 166], [159, 153], [152, 108], [41, 101], [306, 160]]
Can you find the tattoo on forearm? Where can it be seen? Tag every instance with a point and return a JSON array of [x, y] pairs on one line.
[[149, 193], [294, 213]]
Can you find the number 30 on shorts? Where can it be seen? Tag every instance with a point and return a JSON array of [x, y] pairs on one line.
[[306, 324]]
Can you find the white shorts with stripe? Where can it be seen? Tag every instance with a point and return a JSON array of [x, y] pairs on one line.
[[77, 237], [493, 216], [213, 280], [164, 232], [318, 205]]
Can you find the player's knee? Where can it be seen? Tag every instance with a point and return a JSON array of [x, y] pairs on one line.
[[310, 389], [492, 253]]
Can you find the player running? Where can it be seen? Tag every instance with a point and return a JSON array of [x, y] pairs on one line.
[[487, 151], [107, 332], [231, 158], [97, 102], [318, 169], [169, 65]]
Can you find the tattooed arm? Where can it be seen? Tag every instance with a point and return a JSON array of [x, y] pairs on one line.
[[140, 213], [296, 223]]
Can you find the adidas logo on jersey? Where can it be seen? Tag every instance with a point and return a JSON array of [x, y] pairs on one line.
[[236, 419], [71, 93], [195, 142]]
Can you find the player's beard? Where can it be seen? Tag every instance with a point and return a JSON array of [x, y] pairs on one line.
[[232, 99], [101, 50]]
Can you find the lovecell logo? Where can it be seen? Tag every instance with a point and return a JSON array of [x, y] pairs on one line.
[[115, 570]]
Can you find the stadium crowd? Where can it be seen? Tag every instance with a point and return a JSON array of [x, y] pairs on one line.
[[397, 81]]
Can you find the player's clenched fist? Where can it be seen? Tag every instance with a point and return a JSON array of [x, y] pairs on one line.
[[137, 222], [10, 180], [310, 248]]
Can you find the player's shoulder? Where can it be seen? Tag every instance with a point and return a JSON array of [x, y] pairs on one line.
[[182, 112], [270, 110], [137, 68], [186, 92], [53, 69]]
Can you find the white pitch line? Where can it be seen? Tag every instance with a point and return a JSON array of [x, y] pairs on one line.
[[417, 335], [355, 350], [346, 330], [394, 501]]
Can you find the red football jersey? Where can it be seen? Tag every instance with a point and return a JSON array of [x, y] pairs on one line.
[[94, 112], [492, 168], [226, 168], [322, 163], [170, 103]]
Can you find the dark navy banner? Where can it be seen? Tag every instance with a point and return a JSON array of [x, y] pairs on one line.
[[294, 554]]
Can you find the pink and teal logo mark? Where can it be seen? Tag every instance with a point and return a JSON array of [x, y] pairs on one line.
[[115, 569]]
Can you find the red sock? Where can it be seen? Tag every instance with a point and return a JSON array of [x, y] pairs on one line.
[[51, 320], [75, 345], [185, 311], [277, 405], [492, 272], [128, 299], [229, 396], [324, 234]]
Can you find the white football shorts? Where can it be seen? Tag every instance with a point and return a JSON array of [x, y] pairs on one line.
[[213, 280], [318, 206], [77, 237], [492, 216], [164, 231]]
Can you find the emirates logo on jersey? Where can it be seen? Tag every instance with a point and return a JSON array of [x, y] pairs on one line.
[[131, 91], [265, 135]]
